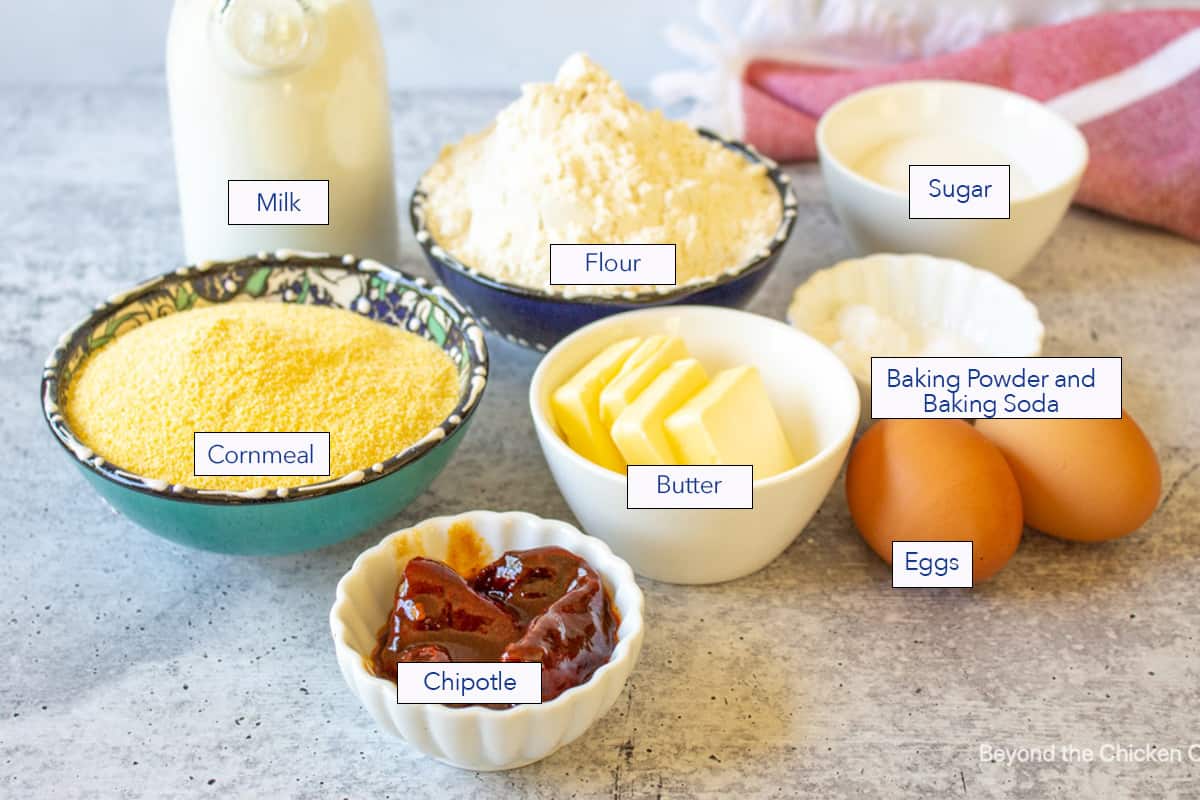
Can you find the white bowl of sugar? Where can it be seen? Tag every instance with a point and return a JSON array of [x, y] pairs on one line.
[[867, 141]]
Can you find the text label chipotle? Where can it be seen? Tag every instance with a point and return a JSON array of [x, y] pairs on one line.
[[469, 682]]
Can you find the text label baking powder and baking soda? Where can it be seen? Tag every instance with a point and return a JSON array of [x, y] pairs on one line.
[[930, 387]]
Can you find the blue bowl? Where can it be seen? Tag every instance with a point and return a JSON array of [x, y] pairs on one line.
[[276, 520], [538, 319]]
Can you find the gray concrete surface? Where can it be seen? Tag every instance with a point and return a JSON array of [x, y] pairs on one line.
[[135, 668]]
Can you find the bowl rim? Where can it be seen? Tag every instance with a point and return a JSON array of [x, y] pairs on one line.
[[627, 646], [629, 299], [470, 391], [825, 152], [1013, 292], [545, 427]]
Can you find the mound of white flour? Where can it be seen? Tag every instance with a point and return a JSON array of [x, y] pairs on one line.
[[577, 161]]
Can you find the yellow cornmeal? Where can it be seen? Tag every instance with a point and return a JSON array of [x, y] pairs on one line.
[[259, 367]]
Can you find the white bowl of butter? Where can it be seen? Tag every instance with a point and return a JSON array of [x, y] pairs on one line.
[[815, 401], [913, 305], [867, 141]]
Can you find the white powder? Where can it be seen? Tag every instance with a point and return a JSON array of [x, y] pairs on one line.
[[578, 162], [887, 164], [858, 331]]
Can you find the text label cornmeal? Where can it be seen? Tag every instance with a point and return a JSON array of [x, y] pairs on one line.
[[258, 367], [275, 453]]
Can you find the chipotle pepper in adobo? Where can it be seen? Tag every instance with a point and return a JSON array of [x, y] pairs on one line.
[[545, 604]]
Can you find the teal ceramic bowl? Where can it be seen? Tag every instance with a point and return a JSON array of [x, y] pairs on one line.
[[284, 520]]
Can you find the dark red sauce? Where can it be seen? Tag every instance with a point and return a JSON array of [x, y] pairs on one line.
[[544, 604]]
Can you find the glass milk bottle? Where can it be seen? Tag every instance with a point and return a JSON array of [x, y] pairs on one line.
[[281, 90]]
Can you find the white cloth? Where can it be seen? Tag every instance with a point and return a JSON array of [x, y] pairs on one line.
[[839, 33]]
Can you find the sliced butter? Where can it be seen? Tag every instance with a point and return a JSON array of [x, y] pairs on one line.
[[638, 432], [652, 356], [576, 406], [731, 421]]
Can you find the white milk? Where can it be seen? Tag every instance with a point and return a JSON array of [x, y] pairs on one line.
[[887, 164], [281, 89]]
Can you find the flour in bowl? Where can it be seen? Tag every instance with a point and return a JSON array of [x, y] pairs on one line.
[[577, 162]]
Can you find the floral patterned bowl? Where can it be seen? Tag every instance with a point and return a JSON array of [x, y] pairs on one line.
[[283, 520]]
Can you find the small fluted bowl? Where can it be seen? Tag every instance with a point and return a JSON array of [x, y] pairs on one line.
[[269, 521], [539, 319], [475, 737], [978, 308]]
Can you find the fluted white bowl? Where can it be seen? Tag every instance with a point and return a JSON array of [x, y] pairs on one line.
[[975, 306], [475, 737]]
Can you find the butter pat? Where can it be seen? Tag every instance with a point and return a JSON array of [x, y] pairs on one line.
[[576, 406], [731, 421], [647, 362], [639, 433]]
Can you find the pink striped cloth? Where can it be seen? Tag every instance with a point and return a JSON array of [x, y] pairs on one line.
[[1145, 156]]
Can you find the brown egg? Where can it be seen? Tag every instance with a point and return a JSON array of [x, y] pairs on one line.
[[1087, 480], [934, 480]]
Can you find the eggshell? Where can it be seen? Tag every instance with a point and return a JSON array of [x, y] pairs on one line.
[[934, 480], [1087, 480]]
